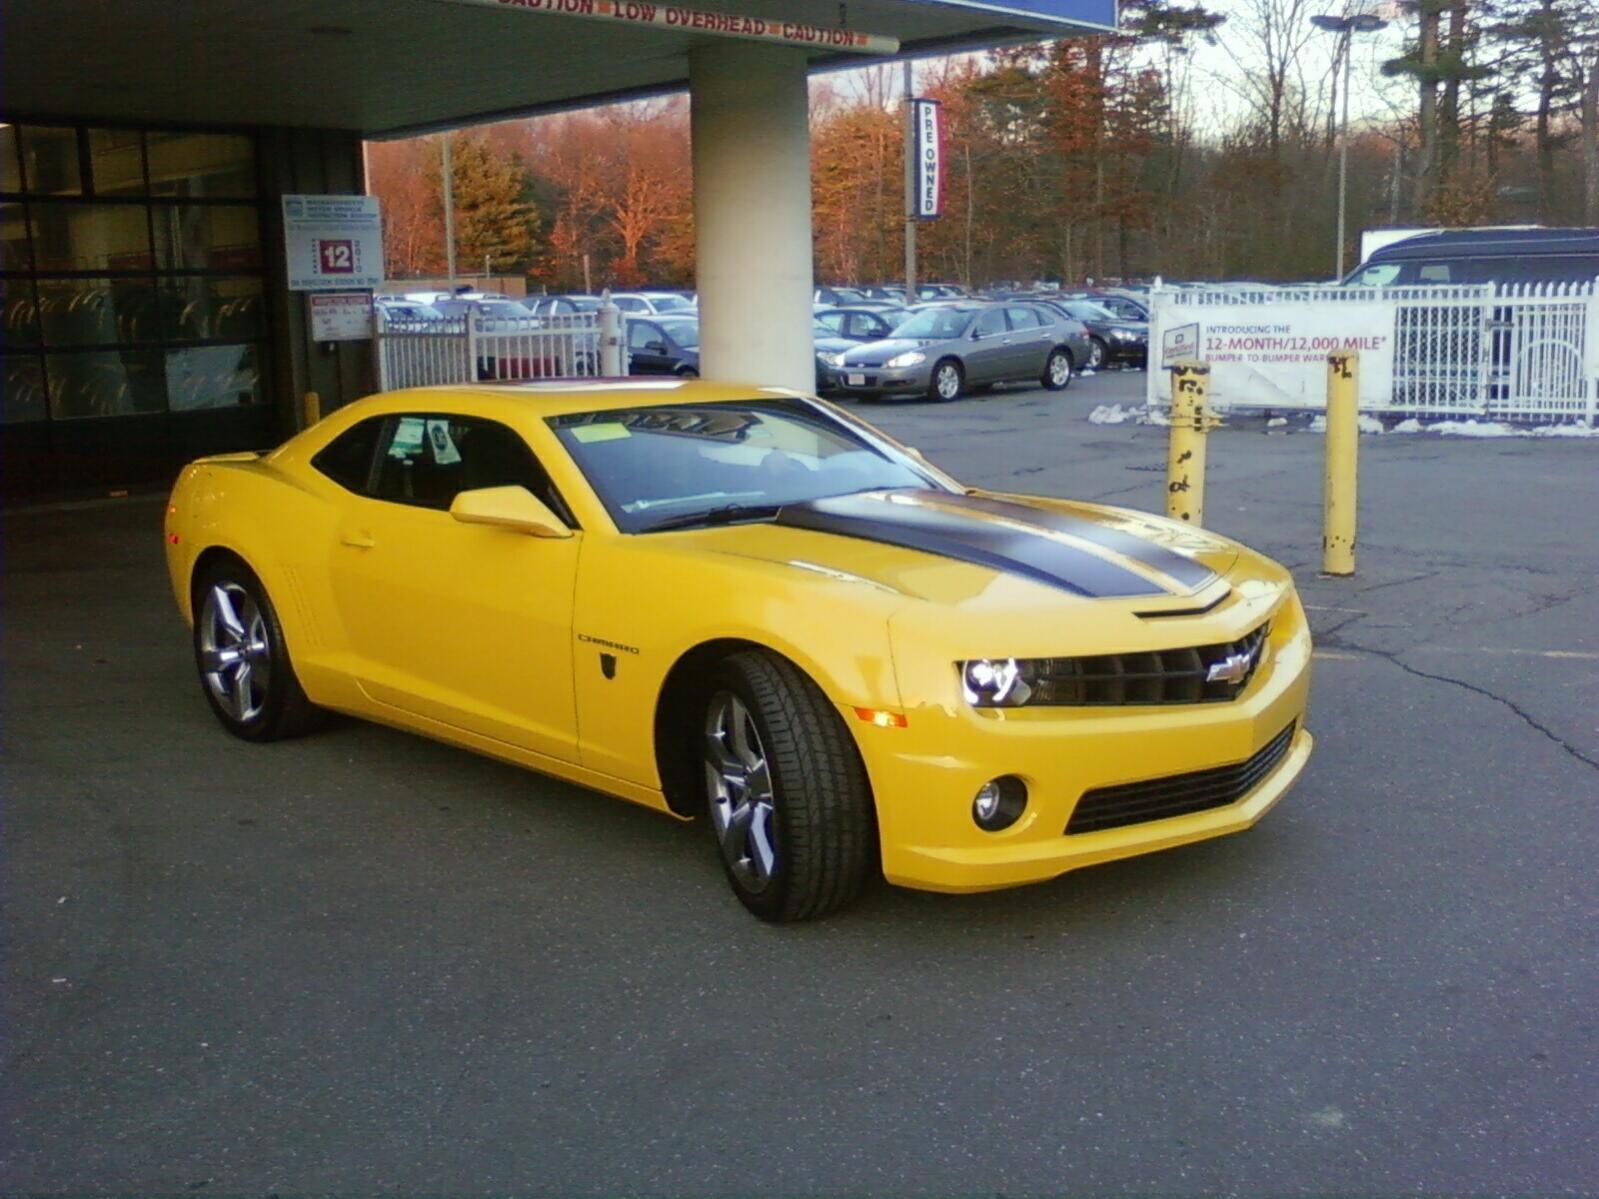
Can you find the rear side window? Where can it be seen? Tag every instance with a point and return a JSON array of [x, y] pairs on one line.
[[347, 459], [1437, 272], [1022, 318]]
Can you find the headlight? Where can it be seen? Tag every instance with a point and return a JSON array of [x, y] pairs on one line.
[[833, 358], [1125, 335], [996, 682], [908, 358]]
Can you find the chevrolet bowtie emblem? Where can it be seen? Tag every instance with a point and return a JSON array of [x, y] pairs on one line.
[[1232, 669]]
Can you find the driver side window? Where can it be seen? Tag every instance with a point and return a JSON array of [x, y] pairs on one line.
[[641, 335], [991, 322], [426, 460]]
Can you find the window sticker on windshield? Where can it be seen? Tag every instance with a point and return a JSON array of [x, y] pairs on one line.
[[442, 444], [609, 431]]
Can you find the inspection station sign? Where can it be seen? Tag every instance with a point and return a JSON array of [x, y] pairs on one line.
[[1274, 355], [928, 200], [333, 243], [688, 20]]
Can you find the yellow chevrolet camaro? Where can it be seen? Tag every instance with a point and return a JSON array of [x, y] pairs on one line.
[[744, 603]]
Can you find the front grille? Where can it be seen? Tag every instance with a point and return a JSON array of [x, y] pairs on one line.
[[1169, 676], [1176, 794]]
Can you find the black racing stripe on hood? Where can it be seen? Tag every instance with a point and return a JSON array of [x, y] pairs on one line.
[[1185, 570], [875, 516]]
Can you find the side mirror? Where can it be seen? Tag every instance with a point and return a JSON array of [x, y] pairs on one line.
[[514, 508]]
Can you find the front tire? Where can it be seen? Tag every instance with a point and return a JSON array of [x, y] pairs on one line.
[[789, 804], [947, 383], [1098, 354], [1058, 370], [687, 372], [243, 660]]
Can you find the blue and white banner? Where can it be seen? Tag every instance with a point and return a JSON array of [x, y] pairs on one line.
[[927, 199]]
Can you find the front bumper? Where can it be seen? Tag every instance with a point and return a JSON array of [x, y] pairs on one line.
[[1126, 351], [926, 774], [879, 381]]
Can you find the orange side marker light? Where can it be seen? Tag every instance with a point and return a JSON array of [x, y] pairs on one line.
[[882, 718]]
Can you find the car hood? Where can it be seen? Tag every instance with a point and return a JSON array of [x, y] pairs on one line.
[[1139, 327], [833, 345], [989, 553], [876, 353]]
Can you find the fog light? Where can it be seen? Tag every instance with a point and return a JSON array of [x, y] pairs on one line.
[[999, 803]]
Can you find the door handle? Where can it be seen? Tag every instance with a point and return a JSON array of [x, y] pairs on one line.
[[360, 541]]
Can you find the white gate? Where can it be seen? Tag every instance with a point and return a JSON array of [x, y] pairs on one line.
[[1520, 352], [476, 348]]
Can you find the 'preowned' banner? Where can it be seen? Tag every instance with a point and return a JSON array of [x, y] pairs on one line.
[[928, 202]]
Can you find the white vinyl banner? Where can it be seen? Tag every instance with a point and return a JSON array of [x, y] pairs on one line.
[[1275, 355], [928, 203]]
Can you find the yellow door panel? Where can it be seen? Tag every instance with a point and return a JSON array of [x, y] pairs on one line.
[[465, 624]]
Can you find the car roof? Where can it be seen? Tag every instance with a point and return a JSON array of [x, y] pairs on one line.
[[1491, 241], [557, 397]]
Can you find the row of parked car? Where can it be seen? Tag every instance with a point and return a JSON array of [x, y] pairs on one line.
[[868, 340]]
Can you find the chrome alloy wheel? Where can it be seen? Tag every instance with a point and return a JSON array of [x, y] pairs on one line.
[[235, 654], [947, 379], [739, 787], [1060, 370]]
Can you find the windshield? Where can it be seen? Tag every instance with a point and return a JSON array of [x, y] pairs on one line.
[[670, 303], [1086, 310], [673, 463], [936, 324], [685, 333]]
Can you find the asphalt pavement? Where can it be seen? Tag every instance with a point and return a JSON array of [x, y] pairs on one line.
[[367, 962]]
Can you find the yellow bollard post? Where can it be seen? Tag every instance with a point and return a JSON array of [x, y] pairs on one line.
[[311, 408], [1190, 422], [1343, 444]]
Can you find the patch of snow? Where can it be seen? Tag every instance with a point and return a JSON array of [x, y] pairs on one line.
[[1319, 425], [1277, 422], [1471, 428], [1564, 431], [1369, 424], [1155, 416], [1408, 425], [1112, 414]]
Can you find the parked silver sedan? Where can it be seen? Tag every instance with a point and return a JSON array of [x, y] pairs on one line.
[[945, 350]]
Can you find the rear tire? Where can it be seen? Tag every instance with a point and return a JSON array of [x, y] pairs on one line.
[[947, 383], [1058, 370], [789, 803], [243, 659]]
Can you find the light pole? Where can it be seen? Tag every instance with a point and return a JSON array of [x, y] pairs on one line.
[[1347, 27]]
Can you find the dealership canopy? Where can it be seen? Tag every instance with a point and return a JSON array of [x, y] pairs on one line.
[[390, 66]]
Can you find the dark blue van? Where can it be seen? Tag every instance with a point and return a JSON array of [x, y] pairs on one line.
[[1483, 256]]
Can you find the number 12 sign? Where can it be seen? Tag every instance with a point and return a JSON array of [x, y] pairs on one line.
[[333, 243]]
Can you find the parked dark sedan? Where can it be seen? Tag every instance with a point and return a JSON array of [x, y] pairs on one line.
[[1113, 339], [664, 345], [946, 349]]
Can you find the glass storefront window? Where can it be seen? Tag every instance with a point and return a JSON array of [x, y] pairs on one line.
[[14, 250], [215, 165], [116, 162], [92, 312], [212, 236], [50, 161], [212, 377], [22, 389], [19, 314], [91, 237], [10, 172], [105, 383], [205, 308]]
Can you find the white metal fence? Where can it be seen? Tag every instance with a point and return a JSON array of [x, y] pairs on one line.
[[475, 348], [1519, 352]]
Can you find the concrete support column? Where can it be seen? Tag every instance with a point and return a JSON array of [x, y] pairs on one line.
[[752, 213]]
